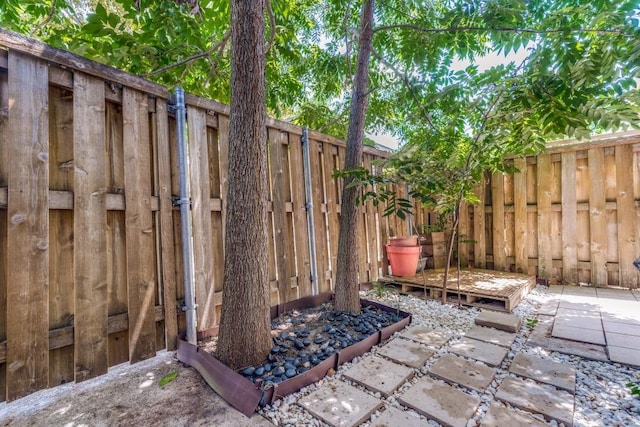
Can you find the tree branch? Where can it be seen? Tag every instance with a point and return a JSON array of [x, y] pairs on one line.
[[499, 30], [218, 46], [52, 10], [272, 23], [405, 80]]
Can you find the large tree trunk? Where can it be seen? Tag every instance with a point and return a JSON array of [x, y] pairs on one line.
[[245, 337], [347, 285]]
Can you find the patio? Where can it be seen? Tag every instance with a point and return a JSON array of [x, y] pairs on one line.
[[606, 320]]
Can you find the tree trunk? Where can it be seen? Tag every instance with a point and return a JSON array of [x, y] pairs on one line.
[[347, 284], [245, 337]]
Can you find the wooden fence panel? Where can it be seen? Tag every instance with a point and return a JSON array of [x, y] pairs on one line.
[[300, 232], [201, 215], [162, 161], [543, 196], [61, 242], [479, 226], [279, 196], [141, 268], [331, 163], [498, 225], [628, 245], [89, 224], [323, 261], [520, 217], [569, 219], [4, 164], [28, 227], [597, 210]]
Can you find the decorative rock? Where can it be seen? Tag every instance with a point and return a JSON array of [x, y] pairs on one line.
[[248, 371]]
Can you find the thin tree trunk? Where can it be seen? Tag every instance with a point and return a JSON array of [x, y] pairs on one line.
[[454, 229], [347, 284], [245, 337]]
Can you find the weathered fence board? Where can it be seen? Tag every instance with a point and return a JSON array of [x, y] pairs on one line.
[[141, 269], [28, 226], [89, 221]]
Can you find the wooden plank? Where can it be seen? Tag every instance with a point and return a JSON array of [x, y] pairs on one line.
[[543, 198], [498, 226], [569, 219], [301, 232], [139, 226], [217, 226], [479, 246], [4, 165], [167, 254], [464, 237], [223, 150], [330, 155], [628, 247], [372, 234], [61, 247], [27, 262], [89, 222], [322, 252], [278, 191], [520, 216], [201, 217], [598, 225], [19, 43]]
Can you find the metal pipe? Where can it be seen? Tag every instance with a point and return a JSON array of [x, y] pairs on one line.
[[306, 165], [185, 219]]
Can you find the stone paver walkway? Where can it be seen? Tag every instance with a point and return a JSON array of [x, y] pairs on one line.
[[424, 375], [600, 316]]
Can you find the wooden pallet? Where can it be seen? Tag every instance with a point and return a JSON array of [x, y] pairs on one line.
[[495, 290]]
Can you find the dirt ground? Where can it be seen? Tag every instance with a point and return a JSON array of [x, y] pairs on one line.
[[129, 395]]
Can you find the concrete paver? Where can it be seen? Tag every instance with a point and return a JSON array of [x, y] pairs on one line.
[[490, 354], [581, 304], [616, 294], [577, 321], [621, 328], [624, 355], [560, 375], [499, 415], [502, 321], [441, 402], [555, 289], [622, 340], [339, 404], [426, 336], [491, 335], [549, 308], [621, 317], [460, 371], [541, 336], [578, 334], [378, 374], [406, 352], [588, 291], [528, 395], [393, 417]]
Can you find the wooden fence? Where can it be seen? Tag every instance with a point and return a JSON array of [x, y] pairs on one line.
[[572, 214], [90, 255]]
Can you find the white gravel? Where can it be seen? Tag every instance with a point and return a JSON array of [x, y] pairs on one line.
[[602, 398]]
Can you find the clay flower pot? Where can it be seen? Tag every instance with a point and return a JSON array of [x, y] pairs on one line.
[[403, 241], [403, 259]]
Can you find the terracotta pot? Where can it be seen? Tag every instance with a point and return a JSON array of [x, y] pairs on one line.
[[403, 259], [403, 241]]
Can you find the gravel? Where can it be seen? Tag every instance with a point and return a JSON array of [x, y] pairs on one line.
[[601, 398]]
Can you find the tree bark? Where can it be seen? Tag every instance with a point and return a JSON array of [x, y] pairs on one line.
[[245, 337], [347, 285]]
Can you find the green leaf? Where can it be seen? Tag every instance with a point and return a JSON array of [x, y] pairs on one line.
[[167, 378]]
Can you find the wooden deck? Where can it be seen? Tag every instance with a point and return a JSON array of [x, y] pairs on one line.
[[495, 290]]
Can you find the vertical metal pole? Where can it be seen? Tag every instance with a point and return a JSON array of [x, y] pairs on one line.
[[185, 219], [309, 207]]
